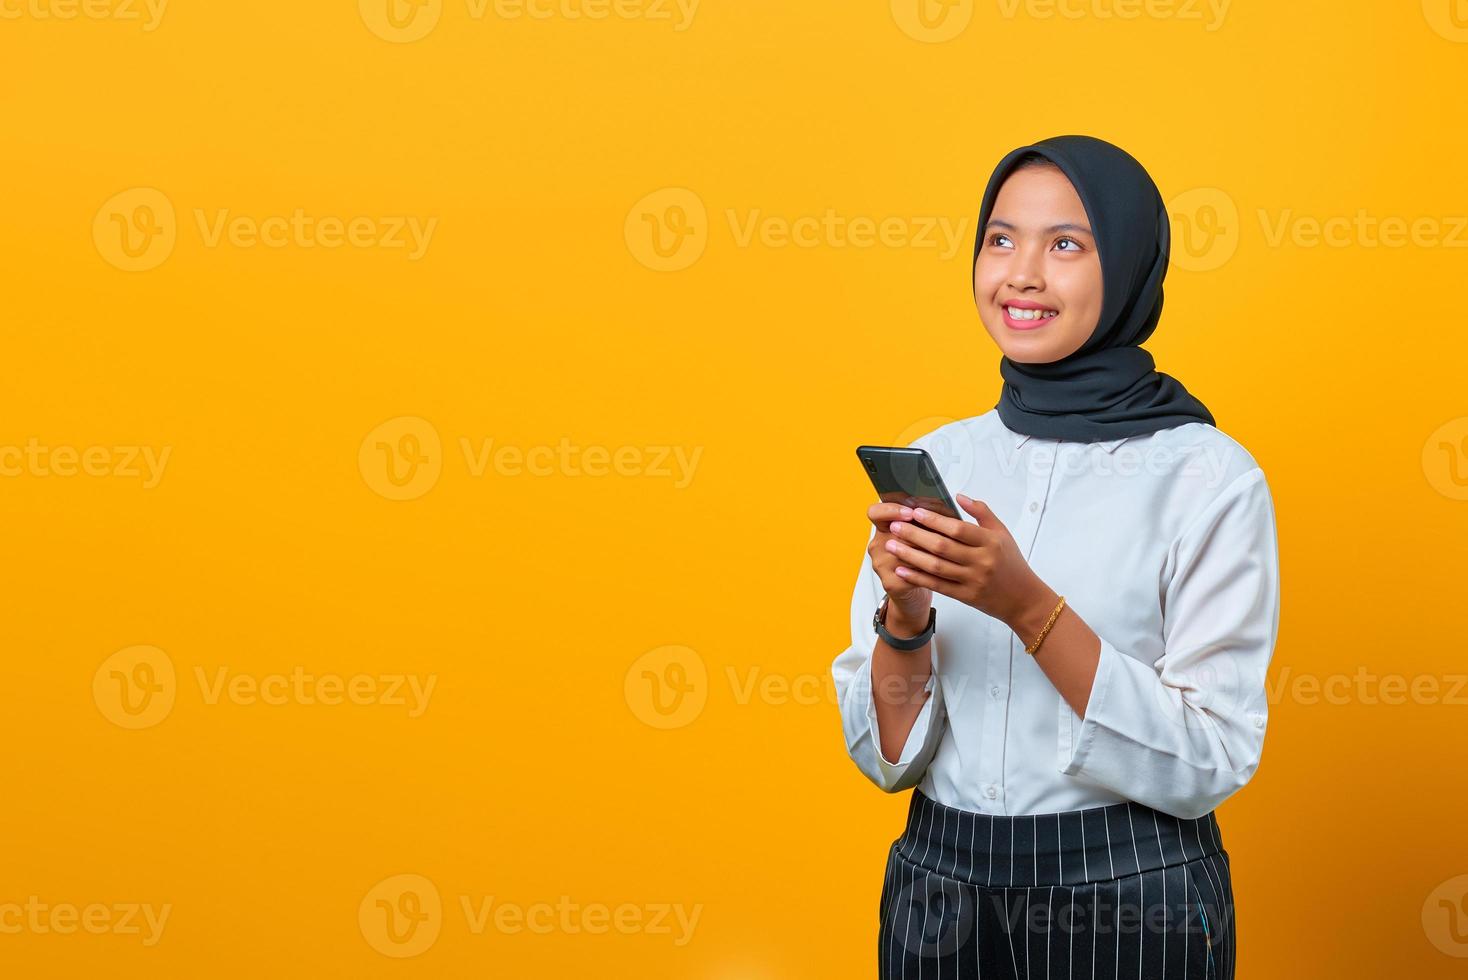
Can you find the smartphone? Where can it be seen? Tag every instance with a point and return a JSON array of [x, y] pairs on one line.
[[908, 477]]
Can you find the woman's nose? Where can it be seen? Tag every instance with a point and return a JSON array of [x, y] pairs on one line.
[[1025, 270]]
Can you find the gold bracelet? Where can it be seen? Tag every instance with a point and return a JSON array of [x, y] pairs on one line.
[[1049, 623]]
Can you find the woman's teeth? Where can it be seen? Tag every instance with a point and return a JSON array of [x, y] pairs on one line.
[[1030, 314]]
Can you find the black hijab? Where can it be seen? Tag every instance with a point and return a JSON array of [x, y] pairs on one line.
[[1109, 387]]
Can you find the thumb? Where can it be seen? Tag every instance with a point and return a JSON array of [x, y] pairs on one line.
[[981, 513]]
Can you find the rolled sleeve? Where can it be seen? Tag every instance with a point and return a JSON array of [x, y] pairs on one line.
[[1185, 732], [852, 672]]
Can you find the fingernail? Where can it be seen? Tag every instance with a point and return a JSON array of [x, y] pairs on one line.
[[906, 513], [920, 513]]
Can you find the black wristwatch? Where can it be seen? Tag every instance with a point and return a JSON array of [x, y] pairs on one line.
[[913, 643]]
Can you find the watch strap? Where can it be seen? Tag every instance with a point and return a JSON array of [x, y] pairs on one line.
[[899, 643]]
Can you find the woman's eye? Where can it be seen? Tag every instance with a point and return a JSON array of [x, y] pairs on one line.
[[996, 238], [1072, 241]]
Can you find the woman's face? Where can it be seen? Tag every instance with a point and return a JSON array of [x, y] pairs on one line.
[[1038, 259]]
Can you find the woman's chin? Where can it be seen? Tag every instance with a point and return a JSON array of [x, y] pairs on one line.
[[1036, 351]]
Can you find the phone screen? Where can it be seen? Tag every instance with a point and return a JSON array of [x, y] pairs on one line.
[[908, 477]]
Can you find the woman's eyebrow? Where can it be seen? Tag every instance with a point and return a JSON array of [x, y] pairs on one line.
[[1001, 223]]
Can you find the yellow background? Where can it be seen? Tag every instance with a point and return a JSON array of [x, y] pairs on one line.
[[538, 313]]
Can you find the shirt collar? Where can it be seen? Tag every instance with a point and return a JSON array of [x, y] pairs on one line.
[[1020, 438]]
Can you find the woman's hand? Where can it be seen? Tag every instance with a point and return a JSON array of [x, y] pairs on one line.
[[910, 601], [980, 566]]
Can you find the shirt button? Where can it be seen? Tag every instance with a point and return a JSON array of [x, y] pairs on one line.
[[1034, 506], [994, 691], [990, 792], [1258, 722]]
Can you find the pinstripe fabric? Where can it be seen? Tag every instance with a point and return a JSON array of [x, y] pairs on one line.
[[1119, 892]]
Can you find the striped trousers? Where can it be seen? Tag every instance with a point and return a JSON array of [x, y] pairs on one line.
[[1114, 892]]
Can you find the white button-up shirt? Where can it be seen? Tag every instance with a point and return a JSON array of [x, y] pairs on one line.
[[1165, 544]]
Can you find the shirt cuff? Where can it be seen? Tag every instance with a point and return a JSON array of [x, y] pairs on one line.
[[921, 725], [1077, 734]]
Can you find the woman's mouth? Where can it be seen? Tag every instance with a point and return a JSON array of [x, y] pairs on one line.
[[1027, 318]]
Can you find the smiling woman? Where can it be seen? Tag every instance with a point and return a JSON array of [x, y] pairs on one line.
[[1075, 680], [1054, 281]]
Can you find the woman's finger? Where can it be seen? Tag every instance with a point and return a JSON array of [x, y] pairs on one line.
[[930, 563], [952, 527], [927, 581], [884, 512], [957, 552]]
